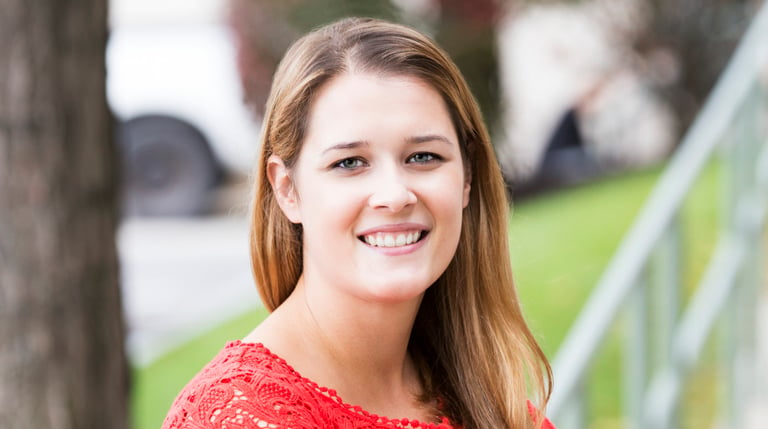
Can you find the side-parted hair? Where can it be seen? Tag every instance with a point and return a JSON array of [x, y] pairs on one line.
[[473, 347]]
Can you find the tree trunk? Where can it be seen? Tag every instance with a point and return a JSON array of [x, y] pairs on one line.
[[62, 360]]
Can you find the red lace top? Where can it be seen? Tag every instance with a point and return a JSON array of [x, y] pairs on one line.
[[248, 387]]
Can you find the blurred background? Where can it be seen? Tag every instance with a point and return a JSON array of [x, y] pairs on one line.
[[586, 100], [601, 85]]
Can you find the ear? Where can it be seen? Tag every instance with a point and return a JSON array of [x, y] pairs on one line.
[[467, 188], [283, 188]]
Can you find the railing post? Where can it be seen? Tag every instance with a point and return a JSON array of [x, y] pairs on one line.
[[734, 183], [760, 348], [636, 354], [666, 279], [744, 205], [731, 345], [755, 158], [575, 411]]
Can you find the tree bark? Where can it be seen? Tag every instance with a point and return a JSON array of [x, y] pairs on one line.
[[62, 359]]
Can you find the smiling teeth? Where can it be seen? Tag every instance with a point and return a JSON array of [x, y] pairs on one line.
[[392, 240]]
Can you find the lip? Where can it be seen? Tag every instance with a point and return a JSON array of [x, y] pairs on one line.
[[395, 228]]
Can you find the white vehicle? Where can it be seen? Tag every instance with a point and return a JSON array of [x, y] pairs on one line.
[[173, 84]]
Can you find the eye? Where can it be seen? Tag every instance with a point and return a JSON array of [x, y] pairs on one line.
[[349, 163], [424, 157]]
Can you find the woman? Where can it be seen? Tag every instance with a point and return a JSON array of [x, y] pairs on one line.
[[378, 240]]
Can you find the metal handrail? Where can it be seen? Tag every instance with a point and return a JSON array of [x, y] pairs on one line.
[[656, 221]]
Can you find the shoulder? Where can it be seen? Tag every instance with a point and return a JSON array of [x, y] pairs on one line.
[[245, 385]]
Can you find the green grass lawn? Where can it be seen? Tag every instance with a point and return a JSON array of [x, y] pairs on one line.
[[560, 244]]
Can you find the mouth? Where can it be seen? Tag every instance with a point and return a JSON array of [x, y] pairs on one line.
[[389, 239]]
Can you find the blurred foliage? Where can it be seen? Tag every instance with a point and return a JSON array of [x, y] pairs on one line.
[[702, 35], [465, 29], [265, 29]]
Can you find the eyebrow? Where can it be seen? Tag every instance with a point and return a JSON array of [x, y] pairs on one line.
[[413, 140], [346, 145], [429, 138]]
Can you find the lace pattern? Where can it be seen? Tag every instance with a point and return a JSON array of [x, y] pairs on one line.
[[248, 387]]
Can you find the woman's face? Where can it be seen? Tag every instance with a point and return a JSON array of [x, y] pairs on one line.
[[378, 187]]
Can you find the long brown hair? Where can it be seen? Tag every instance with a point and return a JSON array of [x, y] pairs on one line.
[[470, 340]]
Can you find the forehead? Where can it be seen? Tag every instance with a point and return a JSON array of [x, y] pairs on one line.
[[361, 103], [361, 83]]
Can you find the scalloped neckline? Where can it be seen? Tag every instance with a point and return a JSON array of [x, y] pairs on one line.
[[336, 399]]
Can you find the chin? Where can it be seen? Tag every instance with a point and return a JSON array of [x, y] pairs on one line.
[[397, 291]]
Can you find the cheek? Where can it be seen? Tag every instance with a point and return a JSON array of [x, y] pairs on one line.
[[452, 191], [327, 206], [447, 201]]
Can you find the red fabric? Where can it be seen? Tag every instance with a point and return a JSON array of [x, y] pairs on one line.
[[546, 424], [248, 387]]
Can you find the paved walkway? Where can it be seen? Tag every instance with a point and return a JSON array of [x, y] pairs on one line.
[[180, 278]]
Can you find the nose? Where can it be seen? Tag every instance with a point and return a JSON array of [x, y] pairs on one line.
[[392, 192]]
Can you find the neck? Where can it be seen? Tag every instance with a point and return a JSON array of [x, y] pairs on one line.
[[348, 341], [372, 336]]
